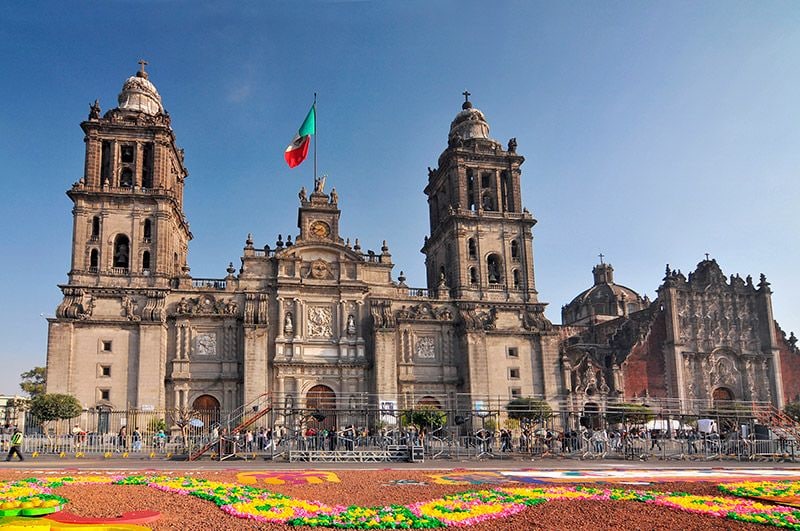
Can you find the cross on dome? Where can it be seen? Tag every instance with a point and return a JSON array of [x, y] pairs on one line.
[[467, 104]]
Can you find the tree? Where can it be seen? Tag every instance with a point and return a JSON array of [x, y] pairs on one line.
[[529, 410], [630, 414], [53, 406], [426, 416], [33, 381]]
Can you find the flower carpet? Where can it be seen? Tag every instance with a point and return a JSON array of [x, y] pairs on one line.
[[462, 509]]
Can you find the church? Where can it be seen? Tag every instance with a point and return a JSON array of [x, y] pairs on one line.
[[316, 320]]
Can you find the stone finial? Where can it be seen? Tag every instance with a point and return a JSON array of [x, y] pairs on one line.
[[357, 246], [289, 240], [249, 241], [402, 278], [279, 243], [384, 247], [231, 270]]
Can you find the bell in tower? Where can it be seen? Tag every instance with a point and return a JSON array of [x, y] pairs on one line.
[[481, 237]]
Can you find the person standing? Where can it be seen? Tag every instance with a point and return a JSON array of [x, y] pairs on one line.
[[137, 440], [16, 444]]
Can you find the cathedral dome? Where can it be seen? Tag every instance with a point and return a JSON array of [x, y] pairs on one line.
[[469, 123], [139, 94], [604, 301]]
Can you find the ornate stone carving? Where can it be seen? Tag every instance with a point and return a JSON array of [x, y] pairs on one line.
[[535, 320], [205, 344], [129, 309], [351, 325], [382, 317], [320, 319], [426, 347], [206, 305], [75, 305]]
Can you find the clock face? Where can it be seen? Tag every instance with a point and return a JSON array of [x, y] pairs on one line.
[[320, 229]]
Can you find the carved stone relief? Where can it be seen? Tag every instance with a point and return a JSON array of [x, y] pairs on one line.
[[205, 344], [426, 347], [206, 305], [320, 321]]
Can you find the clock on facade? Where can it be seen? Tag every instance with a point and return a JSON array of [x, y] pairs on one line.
[[320, 229]]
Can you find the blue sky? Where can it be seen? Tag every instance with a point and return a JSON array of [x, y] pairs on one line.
[[653, 132]]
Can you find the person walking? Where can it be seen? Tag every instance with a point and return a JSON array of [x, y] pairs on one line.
[[16, 444]]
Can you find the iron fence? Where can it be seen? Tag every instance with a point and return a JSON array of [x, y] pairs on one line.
[[448, 427]]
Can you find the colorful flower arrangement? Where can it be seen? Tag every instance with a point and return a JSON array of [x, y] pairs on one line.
[[463, 509]]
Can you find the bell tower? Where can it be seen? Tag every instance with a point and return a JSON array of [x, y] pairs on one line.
[[129, 228], [481, 242]]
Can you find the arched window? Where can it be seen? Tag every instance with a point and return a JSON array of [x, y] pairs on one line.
[[515, 250], [473, 276], [126, 178], [472, 249], [95, 227], [494, 269], [122, 249], [146, 261], [515, 275], [148, 230], [94, 260]]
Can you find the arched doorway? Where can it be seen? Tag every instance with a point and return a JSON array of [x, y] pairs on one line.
[[429, 402], [207, 408], [722, 394], [591, 416], [321, 408]]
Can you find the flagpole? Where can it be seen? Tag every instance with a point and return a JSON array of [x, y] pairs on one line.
[[315, 138]]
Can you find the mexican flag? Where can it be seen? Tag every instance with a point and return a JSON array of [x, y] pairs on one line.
[[297, 151]]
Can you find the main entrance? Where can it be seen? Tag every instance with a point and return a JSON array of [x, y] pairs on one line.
[[321, 408]]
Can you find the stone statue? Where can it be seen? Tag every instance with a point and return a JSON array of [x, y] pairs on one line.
[[288, 325], [351, 325], [512, 145], [129, 307], [334, 196], [94, 110], [302, 195], [319, 184]]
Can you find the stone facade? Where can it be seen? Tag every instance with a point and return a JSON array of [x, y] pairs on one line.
[[317, 316]]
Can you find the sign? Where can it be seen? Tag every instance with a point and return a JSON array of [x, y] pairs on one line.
[[480, 408], [147, 407], [389, 412]]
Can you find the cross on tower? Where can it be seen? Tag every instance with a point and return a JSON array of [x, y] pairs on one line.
[[706, 257], [601, 258], [466, 94], [142, 63]]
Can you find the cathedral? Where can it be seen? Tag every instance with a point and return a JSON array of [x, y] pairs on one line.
[[315, 318]]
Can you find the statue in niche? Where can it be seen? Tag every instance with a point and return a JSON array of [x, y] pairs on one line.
[[288, 324], [351, 325]]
